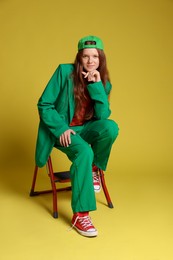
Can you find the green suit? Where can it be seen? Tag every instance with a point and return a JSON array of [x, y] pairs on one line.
[[56, 109]]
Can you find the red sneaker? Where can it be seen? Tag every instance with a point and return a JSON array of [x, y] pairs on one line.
[[96, 179], [82, 223]]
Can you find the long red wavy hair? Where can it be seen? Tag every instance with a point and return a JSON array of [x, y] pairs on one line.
[[81, 94]]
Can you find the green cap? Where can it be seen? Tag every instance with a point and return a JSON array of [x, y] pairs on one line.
[[90, 42]]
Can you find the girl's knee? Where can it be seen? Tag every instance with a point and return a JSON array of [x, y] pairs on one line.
[[85, 150], [112, 128]]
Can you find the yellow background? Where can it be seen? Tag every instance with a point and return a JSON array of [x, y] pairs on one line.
[[35, 36]]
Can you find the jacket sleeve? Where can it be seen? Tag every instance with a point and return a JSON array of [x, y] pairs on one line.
[[49, 116], [99, 94]]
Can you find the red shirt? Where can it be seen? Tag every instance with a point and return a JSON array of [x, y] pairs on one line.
[[80, 119]]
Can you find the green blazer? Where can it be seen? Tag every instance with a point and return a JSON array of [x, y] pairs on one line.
[[56, 108]]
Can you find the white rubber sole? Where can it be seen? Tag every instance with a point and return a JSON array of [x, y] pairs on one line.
[[88, 233]]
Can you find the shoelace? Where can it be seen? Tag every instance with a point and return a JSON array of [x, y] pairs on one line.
[[84, 221], [96, 177]]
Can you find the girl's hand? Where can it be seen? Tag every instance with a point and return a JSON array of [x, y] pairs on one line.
[[93, 76], [65, 139]]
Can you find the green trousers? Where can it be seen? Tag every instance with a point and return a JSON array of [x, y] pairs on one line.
[[91, 145]]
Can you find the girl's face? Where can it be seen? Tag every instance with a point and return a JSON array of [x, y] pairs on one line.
[[90, 59]]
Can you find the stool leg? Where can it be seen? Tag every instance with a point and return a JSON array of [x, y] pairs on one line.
[[110, 205], [54, 192], [32, 192]]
